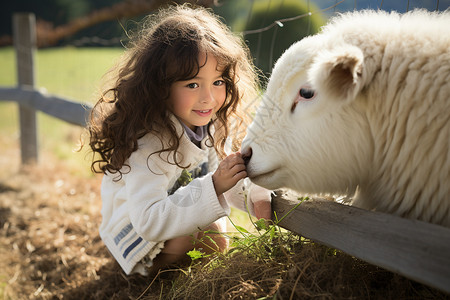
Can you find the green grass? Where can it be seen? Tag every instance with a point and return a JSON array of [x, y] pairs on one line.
[[73, 73]]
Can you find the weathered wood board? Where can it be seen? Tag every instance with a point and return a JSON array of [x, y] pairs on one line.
[[414, 249], [69, 111]]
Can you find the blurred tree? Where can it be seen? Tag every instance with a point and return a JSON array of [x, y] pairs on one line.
[[268, 45], [55, 11], [234, 12], [70, 17]]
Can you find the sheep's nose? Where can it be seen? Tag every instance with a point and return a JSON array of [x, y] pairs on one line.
[[247, 154]]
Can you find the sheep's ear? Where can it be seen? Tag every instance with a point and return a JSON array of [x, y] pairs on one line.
[[337, 72]]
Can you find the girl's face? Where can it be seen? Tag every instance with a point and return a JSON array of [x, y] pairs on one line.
[[195, 101]]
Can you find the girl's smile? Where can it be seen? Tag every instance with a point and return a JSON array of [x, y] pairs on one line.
[[203, 113], [195, 101]]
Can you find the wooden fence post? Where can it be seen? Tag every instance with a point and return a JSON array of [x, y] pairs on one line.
[[24, 32]]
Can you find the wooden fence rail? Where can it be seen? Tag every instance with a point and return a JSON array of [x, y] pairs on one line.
[[414, 249], [69, 111], [30, 101]]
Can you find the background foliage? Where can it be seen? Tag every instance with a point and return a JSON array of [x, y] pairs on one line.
[[59, 12], [241, 16], [62, 11]]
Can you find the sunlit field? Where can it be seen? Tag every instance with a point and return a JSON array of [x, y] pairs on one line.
[[72, 73]]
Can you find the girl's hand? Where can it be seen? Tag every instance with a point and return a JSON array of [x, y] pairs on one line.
[[230, 171]]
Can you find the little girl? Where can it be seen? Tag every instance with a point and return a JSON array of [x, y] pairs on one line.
[[156, 134]]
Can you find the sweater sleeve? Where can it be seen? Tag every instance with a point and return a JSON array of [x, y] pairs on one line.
[[157, 216]]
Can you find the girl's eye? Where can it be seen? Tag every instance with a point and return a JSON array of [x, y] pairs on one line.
[[219, 82], [192, 85], [307, 93]]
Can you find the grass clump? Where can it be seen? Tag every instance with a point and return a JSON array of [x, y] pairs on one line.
[[249, 270], [272, 263]]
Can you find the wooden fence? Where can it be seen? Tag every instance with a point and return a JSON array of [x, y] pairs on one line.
[[29, 99], [415, 249]]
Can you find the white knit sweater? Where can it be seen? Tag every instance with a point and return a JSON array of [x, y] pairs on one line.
[[139, 212]]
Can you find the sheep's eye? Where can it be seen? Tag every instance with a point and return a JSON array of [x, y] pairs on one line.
[[307, 93], [304, 95]]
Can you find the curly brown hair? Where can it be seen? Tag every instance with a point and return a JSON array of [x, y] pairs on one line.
[[166, 50]]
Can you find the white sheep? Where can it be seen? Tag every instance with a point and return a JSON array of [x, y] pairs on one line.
[[361, 108]]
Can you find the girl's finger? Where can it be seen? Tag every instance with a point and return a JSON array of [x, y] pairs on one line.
[[237, 168], [240, 175]]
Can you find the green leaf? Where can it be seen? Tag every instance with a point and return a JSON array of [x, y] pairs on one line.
[[241, 229], [211, 240], [261, 224], [195, 254]]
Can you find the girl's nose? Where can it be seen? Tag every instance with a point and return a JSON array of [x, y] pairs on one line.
[[207, 96]]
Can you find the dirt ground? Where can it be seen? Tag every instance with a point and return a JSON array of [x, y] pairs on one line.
[[50, 249]]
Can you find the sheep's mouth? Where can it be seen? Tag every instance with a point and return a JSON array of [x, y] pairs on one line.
[[264, 178]]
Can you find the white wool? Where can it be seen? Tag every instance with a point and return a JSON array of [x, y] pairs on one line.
[[379, 123]]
